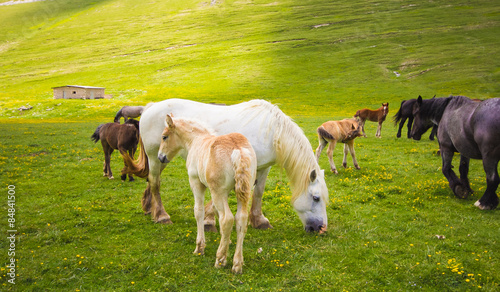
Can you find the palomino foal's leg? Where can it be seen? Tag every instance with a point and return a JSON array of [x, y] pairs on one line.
[[199, 213], [321, 146], [329, 152], [226, 221], [257, 219], [241, 230]]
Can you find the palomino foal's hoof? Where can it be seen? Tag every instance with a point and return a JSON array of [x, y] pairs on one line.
[[111, 177], [237, 269]]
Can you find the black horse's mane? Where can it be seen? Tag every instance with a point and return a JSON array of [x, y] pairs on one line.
[[433, 108]]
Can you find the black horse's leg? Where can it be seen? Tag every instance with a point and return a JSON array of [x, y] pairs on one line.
[[433, 132], [401, 124], [410, 124], [453, 180], [464, 173], [489, 200]]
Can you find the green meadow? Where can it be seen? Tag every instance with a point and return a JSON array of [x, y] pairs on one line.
[[394, 225]]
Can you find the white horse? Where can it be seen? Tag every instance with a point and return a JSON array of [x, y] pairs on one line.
[[221, 163], [274, 137]]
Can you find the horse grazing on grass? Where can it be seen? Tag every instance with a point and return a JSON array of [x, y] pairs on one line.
[[471, 128], [221, 163], [344, 131], [275, 139], [124, 137], [128, 112], [406, 112], [374, 116]]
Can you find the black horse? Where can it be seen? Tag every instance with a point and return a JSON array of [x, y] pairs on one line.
[[406, 112], [469, 127]]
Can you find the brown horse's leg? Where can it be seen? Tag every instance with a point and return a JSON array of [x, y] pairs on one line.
[[362, 124], [107, 160], [350, 145], [321, 146], [378, 134]]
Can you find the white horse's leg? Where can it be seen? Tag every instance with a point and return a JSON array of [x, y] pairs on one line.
[[329, 152], [226, 221], [350, 144], [257, 219], [241, 230], [152, 194], [199, 213]]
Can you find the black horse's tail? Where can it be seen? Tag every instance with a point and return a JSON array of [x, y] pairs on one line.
[[399, 115], [95, 137], [118, 116]]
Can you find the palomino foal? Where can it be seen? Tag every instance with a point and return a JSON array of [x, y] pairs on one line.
[[344, 131], [221, 163], [374, 116]]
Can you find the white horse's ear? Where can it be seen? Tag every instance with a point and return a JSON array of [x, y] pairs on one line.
[[313, 175], [169, 122]]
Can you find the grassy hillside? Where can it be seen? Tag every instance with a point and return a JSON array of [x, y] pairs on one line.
[[394, 225], [312, 57]]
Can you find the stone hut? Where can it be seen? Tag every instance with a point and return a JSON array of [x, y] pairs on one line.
[[79, 92]]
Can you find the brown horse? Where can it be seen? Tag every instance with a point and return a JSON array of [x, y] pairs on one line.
[[344, 131], [374, 116], [124, 137]]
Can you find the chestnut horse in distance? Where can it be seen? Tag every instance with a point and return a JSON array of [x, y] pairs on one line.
[[374, 116]]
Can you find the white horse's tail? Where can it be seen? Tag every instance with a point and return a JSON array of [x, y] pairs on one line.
[[242, 165], [140, 167]]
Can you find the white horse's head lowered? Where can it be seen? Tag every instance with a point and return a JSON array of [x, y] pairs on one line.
[[311, 205], [307, 180]]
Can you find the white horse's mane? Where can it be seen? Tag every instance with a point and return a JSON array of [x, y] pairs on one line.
[[293, 150]]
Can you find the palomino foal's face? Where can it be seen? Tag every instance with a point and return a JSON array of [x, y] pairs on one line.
[[311, 206], [170, 144]]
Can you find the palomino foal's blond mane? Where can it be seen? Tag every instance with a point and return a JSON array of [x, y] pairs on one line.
[[293, 150]]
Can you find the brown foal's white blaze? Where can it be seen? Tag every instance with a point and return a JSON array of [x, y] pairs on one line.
[[221, 164]]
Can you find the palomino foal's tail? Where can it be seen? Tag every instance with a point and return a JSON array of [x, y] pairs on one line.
[[242, 165], [140, 167]]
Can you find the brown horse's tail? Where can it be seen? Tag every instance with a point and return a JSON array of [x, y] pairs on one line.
[[140, 167], [242, 164]]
